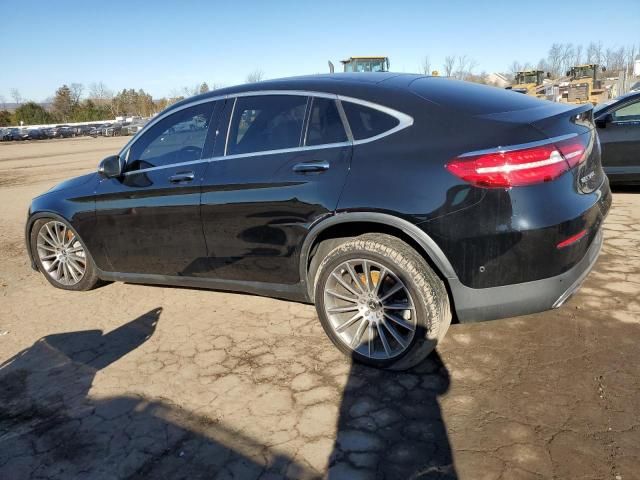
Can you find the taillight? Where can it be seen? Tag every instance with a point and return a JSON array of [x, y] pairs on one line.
[[513, 167]]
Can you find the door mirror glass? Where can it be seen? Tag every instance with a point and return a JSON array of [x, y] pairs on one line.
[[110, 167]]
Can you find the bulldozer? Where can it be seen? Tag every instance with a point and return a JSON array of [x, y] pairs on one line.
[[585, 85], [529, 82], [364, 64]]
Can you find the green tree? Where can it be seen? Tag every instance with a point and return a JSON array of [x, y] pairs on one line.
[[5, 118], [204, 88], [88, 111], [32, 114], [63, 103]]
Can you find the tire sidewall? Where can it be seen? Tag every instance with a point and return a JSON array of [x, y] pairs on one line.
[[423, 319]]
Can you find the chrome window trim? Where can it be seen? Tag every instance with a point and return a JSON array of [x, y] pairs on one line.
[[404, 121], [161, 116], [510, 148], [240, 155]]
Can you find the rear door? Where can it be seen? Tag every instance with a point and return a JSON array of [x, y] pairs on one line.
[[620, 139], [283, 167]]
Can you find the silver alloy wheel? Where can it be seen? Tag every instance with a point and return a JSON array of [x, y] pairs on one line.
[[370, 309], [61, 253]]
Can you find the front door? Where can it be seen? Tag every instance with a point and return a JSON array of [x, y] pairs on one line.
[[620, 140], [284, 166], [148, 221]]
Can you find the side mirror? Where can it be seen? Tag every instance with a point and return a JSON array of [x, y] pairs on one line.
[[111, 167], [601, 122]]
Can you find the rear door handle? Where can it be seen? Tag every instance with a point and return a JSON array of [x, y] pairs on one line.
[[310, 167], [182, 177]]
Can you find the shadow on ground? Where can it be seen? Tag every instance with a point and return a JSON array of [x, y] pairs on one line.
[[389, 425]]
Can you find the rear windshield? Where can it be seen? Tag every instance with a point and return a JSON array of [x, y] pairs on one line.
[[470, 97]]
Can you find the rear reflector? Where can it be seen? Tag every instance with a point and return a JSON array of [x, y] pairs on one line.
[[513, 166], [572, 239]]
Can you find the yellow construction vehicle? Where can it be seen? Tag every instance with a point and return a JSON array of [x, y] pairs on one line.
[[529, 82], [364, 64], [585, 85]]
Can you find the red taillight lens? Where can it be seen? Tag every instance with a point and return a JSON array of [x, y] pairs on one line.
[[573, 150], [517, 167]]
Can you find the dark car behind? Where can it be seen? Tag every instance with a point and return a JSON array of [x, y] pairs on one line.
[[618, 123]]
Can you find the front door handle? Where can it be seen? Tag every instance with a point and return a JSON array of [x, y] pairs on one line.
[[182, 177], [310, 167]]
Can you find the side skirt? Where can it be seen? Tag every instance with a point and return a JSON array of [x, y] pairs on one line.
[[295, 292]]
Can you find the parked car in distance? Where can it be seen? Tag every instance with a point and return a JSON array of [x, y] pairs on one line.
[[112, 130], [33, 134], [388, 200], [60, 131], [97, 129], [15, 134], [618, 123], [81, 130], [5, 135]]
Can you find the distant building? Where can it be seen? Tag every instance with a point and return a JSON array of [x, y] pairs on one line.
[[498, 80]]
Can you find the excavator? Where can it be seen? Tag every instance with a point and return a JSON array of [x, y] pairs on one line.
[[363, 64], [585, 85]]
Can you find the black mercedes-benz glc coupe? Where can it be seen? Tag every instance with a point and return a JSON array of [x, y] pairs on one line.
[[391, 201]]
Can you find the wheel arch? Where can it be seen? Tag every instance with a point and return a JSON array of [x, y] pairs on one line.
[[333, 230]]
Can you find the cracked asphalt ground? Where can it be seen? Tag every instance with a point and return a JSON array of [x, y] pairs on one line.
[[132, 381]]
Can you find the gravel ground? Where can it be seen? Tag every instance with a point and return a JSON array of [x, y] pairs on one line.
[[141, 381]]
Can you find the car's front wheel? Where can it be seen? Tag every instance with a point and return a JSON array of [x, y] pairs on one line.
[[380, 302], [61, 255]]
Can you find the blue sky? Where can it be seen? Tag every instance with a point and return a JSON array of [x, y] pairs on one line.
[[164, 45]]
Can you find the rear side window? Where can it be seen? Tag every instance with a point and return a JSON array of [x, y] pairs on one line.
[[325, 124], [266, 122], [367, 122]]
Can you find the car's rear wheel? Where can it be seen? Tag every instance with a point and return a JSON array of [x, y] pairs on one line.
[[380, 302], [62, 256]]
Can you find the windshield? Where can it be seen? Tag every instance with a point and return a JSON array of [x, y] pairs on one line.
[[365, 66], [527, 78], [582, 72]]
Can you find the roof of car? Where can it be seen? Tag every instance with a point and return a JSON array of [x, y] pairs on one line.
[[330, 82]]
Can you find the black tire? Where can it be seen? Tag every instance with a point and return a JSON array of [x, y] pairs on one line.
[[426, 289], [90, 278]]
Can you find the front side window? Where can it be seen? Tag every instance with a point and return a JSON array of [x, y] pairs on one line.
[[325, 124], [629, 112], [176, 138], [266, 122], [367, 122]]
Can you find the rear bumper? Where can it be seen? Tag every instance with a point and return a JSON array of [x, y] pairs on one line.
[[479, 304]]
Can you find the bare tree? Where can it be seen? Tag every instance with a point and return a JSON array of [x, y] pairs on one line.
[[464, 67], [514, 68], [16, 95], [3, 102], [567, 56], [255, 76], [76, 92], [99, 93], [554, 59], [448, 65], [577, 55], [426, 65]]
